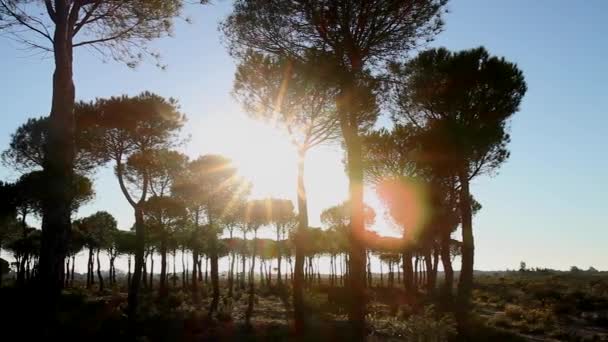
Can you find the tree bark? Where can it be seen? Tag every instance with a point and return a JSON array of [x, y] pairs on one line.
[[231, 275], [58, 162], [133, 299], [298, 299], [430, 283], [243, 255], [356, 277], [72, 271], [408, 271], [251, 299], [99, 276], [90, 269], [465, 285], [215, 281], [162, 286], [279, 257]]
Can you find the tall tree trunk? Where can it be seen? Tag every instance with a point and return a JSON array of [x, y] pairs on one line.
[[174, 277], [465, 285], [430, 283], [408, 271], [183, 268], [66, 274], [151, 284], [162, 286], [133, 299], [206, 269], [129, 270], [58, 162], [298, 299], [194, 279], [369, 271], [356, 270], [446, 261], [433, 276], [231, 270], [251, 298], [215, 281], [243, 257], [279, 251], [72, 271], [90, 269], [199, 268], [99, 276]]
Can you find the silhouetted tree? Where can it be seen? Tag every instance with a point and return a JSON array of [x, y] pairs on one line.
[[290, 92], [26, 147], [119, 30], [210, 188], [98, 229], [257, 214], [352, 37], [464, 101], [130, 130], [163, 214]]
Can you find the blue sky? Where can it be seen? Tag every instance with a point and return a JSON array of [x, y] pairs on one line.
[[545, 206]]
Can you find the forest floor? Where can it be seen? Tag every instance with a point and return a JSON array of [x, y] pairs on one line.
[[508, 307]]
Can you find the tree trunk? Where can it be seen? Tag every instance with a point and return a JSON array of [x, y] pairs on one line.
[[243, 255], [356, 276], [183, 269], [465, 285], [151, 270], [251, 299], [231, 270], [433, 276], [58, 163], [199, 268], [162, 286], [298, 299], [446, 261], [194, 275], [133, 299], [206, 269], [90, 269], [129, 271], [72, 271], [215, 281], [174, 277], [279, 279], [408, 271], [99, 276], [430, 283]]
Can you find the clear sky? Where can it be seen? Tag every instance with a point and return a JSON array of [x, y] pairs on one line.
[[546, 206]]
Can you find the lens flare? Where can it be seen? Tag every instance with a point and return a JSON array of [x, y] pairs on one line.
[[407, 204]]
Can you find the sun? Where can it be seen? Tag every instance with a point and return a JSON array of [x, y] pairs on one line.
[[263, 154]]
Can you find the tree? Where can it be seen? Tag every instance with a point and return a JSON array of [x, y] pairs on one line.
[[26, 147], [210, 187], [9, 227], [131, 129], [117, 29], [98, 229], [257, 214], [163, 215], [164, 212], [282, 217], [464, 101], [126, 244], [291, 93], [352, 38]]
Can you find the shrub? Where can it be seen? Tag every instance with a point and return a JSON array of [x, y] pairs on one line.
[[514, 312], [426, 326]]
